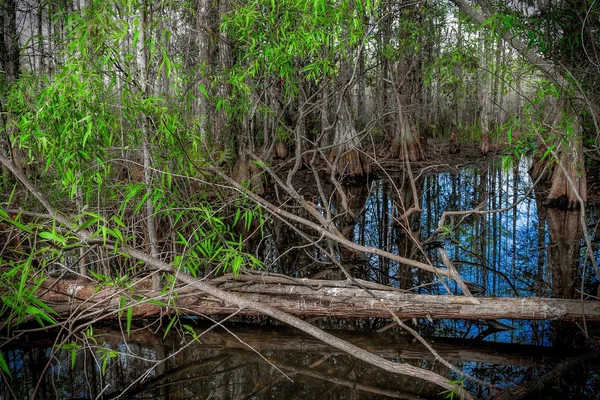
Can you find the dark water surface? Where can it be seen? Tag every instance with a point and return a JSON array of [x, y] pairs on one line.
[[525, 250]]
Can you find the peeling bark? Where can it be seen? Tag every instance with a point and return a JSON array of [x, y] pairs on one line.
[[314, 298]]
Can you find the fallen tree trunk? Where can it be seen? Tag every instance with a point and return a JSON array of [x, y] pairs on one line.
[[311, 298]]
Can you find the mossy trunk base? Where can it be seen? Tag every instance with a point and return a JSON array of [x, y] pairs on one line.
[[247, 171], [351, 166]]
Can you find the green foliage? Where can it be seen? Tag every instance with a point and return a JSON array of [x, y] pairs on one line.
[[189, 330], [507, 163], [455, 392], [106, 354], [18, 295], [72, 348], [79, 129], [293, 40]]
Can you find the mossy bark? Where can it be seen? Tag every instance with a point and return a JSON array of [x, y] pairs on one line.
[[567, 177], [346, 157], [246, 171], [569, 183]]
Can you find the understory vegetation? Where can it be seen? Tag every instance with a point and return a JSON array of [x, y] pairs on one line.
[[153, 149]]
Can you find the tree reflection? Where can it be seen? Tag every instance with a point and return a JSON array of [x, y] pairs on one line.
[[281, 364]]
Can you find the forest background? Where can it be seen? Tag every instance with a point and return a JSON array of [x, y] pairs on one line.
[[158, 140]]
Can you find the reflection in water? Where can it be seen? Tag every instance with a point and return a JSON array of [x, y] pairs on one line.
[[525, 250], [264, 363], [493, 251]]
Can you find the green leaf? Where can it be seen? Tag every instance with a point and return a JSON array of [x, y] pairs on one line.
[[41, 304], [122, 302], [157, 303], [39, 314], [129, 317], [104, 363], [14, 221], [192, 332], [73, 356], [54, 236], [4, 365], [169, 326]]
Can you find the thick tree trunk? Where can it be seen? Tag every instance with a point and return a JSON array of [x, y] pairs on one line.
[[569, 184], [314, 298], [565, 232], [407, 141], [567, 179], [246, 171], [346, 157]]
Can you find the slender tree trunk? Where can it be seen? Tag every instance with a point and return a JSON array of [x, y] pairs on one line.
[[324, 136], [146, 140], [203, 29], [9, 42], [221, 133], [485, 96], [10, 66]]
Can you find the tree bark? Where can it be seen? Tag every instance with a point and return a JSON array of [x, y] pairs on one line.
[[346, 156], [221, 133], [144, 66], [315, 298], [565, 233], [203, 38], [9, 42], [569, 183]]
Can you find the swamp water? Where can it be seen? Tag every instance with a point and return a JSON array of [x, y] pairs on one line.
[[525, 250]]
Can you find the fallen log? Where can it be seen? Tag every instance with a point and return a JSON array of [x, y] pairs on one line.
[[310, 299]]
